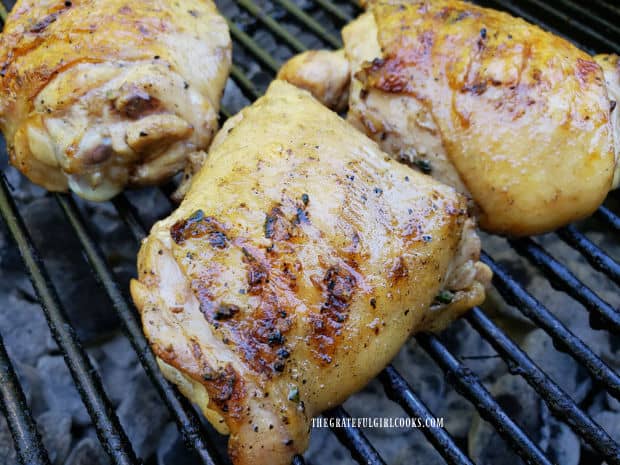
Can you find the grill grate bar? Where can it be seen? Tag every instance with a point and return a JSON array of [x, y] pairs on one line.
[[27, 440], [398, 390], [310, 23], [249, 44], [353, 438], [334, 10], [601, 42], [595, 256], [246, 86], [562, 337], [129, 215], [185, 416], [611, 219], [603, 7], [522, 13], [272, 25], [558, 401], [470, 386], [599, 21], [90, 388], [602, 315]]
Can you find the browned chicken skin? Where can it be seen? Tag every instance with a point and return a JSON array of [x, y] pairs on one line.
[[300, 261], [98, 95], [516, 118]]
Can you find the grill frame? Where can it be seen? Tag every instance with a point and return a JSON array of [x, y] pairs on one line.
[[111, 434]]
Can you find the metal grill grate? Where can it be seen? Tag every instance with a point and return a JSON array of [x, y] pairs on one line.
[[592, 27]]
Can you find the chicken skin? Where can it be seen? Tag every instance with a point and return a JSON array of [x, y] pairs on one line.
[[99, 95], [299, 262], [517, 119]]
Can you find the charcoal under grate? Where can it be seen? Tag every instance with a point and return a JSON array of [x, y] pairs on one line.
[[592, 25]]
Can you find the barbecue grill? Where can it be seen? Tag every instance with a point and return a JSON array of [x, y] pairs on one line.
[[595, 27]]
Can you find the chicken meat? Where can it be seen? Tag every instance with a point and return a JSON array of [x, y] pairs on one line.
[[519, 120], [299, 262], [99, 95]]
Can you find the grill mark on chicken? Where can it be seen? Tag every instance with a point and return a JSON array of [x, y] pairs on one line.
[[226, 390], [257, 272], [277, 226], [257, 334], [587, 70], [398, 270], [41, 25], [260, 336], [225, 387], [280, 228], [338, 286], [198, 225], [452, 15]]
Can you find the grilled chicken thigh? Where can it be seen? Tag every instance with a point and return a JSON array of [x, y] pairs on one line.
[[512, 116], [299, 262], [98, 95]]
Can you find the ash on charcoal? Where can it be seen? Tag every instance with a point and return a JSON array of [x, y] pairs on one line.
[[560, 367], [486, 447], [609, 421], [323, 449], [462, 339], [7, 451], [458, 414], [55, 429], [612, 402], [563, 445], [372, 402], [119, 352], [428, 382], [522, 404], [21, 318], [87, 307], [423, 375], [21, 188], [58, 389], [396, 445], [233, 99], [117, 362], [171, 449], [88, 451], [142, 414], [23, 327]]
